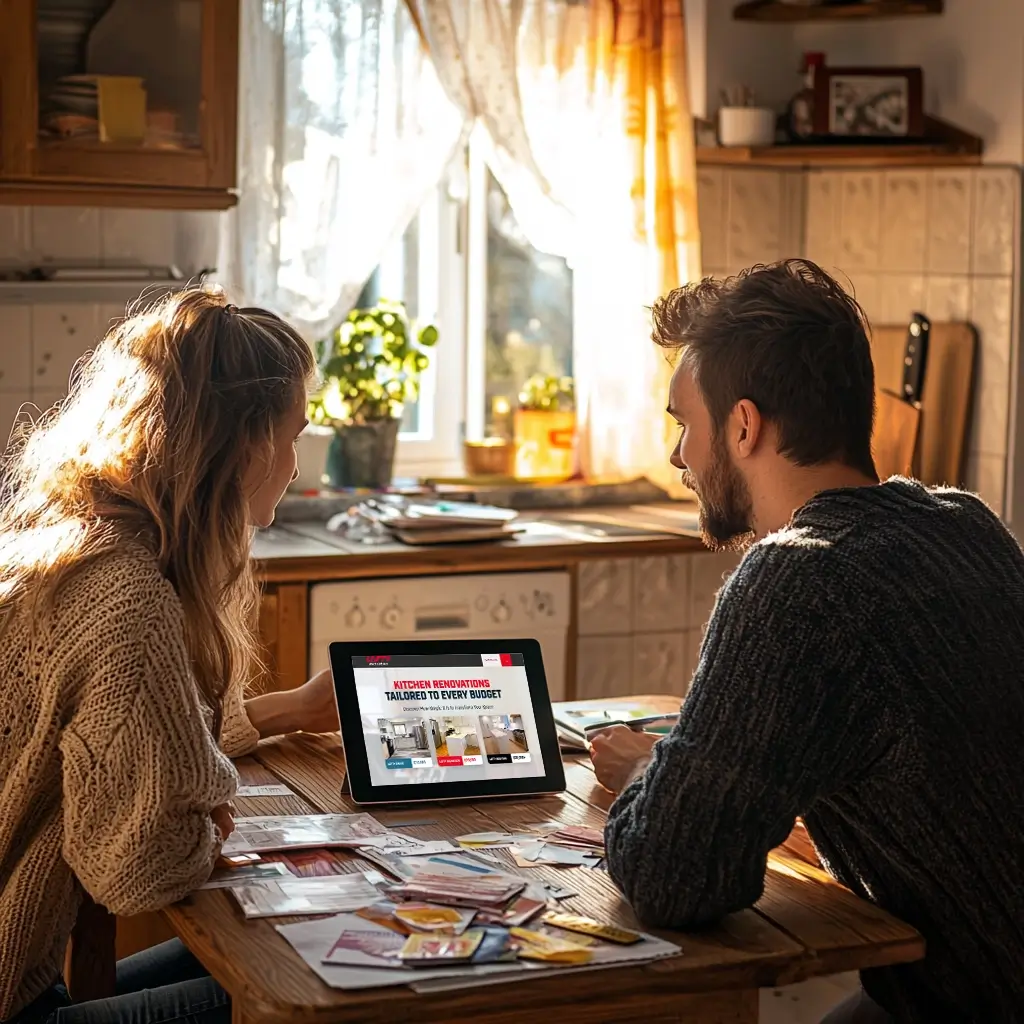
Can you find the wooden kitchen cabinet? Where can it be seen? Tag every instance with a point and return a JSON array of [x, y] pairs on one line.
[[192, 98], [284, 636]]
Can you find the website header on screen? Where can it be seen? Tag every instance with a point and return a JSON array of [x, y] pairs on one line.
[[446, 718]]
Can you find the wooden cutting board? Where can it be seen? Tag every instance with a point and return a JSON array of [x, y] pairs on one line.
[[945, 397], [894, 440]]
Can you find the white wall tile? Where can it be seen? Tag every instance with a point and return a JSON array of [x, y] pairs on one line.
[[660, 663], [900, 296], [15, 348], [822, 224], [65, 233], [949, 222], [712, 203], [14, 235], [605, 602], [197, 239], [947, 299], [860, 211], [992, 314], [985, 475], [661, 589], [139, 237], [996, 214], [904, 220], [866, 288], [754, 225], [61, 334], [604, 666]]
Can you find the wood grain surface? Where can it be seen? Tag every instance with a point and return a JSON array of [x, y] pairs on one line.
[[804, 925]]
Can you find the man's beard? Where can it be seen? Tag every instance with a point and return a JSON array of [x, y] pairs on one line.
[[725, 509]]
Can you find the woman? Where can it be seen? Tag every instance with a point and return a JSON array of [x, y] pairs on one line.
[[127, 605]]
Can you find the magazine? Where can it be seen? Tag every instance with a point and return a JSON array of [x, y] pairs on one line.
[[331, 894], [307, 831]]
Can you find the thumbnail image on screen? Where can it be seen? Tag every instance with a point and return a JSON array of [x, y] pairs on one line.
[[456, 736], [504, 738], [404, 742]]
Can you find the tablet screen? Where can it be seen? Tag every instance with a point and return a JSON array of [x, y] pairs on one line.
[[448, 718]]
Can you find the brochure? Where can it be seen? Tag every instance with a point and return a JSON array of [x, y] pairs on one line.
[[261, 871], [572, 720], [329, 895], [306, 831]]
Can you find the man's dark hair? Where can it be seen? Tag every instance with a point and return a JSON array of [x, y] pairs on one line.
[[789, 339]]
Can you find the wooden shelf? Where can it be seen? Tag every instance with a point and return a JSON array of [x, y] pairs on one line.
[[772, 11], [71, 193], [945, 146]]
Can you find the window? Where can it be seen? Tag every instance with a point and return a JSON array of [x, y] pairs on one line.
[[424, 269], [503, 312]]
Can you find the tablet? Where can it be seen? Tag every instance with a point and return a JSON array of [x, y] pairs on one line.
[[445, 720]]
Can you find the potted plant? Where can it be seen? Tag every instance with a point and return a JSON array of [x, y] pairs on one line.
[[545, 429], [371, 365]]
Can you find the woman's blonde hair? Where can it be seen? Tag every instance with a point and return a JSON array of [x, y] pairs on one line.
[[164, 422]]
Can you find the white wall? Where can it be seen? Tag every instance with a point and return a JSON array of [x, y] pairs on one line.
[[40, 342], [972, 55]]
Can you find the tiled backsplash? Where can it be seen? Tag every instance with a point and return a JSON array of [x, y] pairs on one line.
[[40, 342], [942, 241]]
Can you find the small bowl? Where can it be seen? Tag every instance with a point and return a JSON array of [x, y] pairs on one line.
[[493, 456], [746, 126]]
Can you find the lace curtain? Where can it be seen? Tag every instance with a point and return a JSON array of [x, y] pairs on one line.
[[344, 129], [584, 104]]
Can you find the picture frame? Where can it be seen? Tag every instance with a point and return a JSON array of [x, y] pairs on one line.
[[869, 103]]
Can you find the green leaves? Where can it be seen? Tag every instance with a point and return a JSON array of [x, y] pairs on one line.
[[548, 394], [371, 365]]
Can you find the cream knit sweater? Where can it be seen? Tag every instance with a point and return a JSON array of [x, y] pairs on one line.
[[108, 769]]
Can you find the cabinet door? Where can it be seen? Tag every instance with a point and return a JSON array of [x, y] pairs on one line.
[[604, 667], [11, 403], [18, 91], [61, 334], [709, 572], [605, 597], [662, 593], [186, 53], [660, 663]]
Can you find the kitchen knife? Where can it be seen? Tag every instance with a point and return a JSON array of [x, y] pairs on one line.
[[915, 357]]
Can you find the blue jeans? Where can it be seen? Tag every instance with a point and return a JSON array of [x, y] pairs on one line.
[[162, 985]]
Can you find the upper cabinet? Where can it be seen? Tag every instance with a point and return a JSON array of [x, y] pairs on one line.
[[118, 102]]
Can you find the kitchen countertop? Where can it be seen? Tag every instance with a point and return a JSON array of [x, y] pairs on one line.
[[296, 551]]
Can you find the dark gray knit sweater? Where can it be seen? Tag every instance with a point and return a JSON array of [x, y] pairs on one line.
[[864, 669]]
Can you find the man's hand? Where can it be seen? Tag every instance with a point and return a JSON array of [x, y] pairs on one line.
[[620, 755]]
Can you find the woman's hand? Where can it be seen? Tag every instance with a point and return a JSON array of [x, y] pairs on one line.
[[318, 710], [311, 707], [224, 820]]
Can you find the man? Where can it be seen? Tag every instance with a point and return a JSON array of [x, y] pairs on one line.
[[862, 666]]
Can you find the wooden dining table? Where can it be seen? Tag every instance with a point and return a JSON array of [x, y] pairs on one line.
[[805, 925]]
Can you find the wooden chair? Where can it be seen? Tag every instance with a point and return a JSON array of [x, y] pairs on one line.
[[90, 964]]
